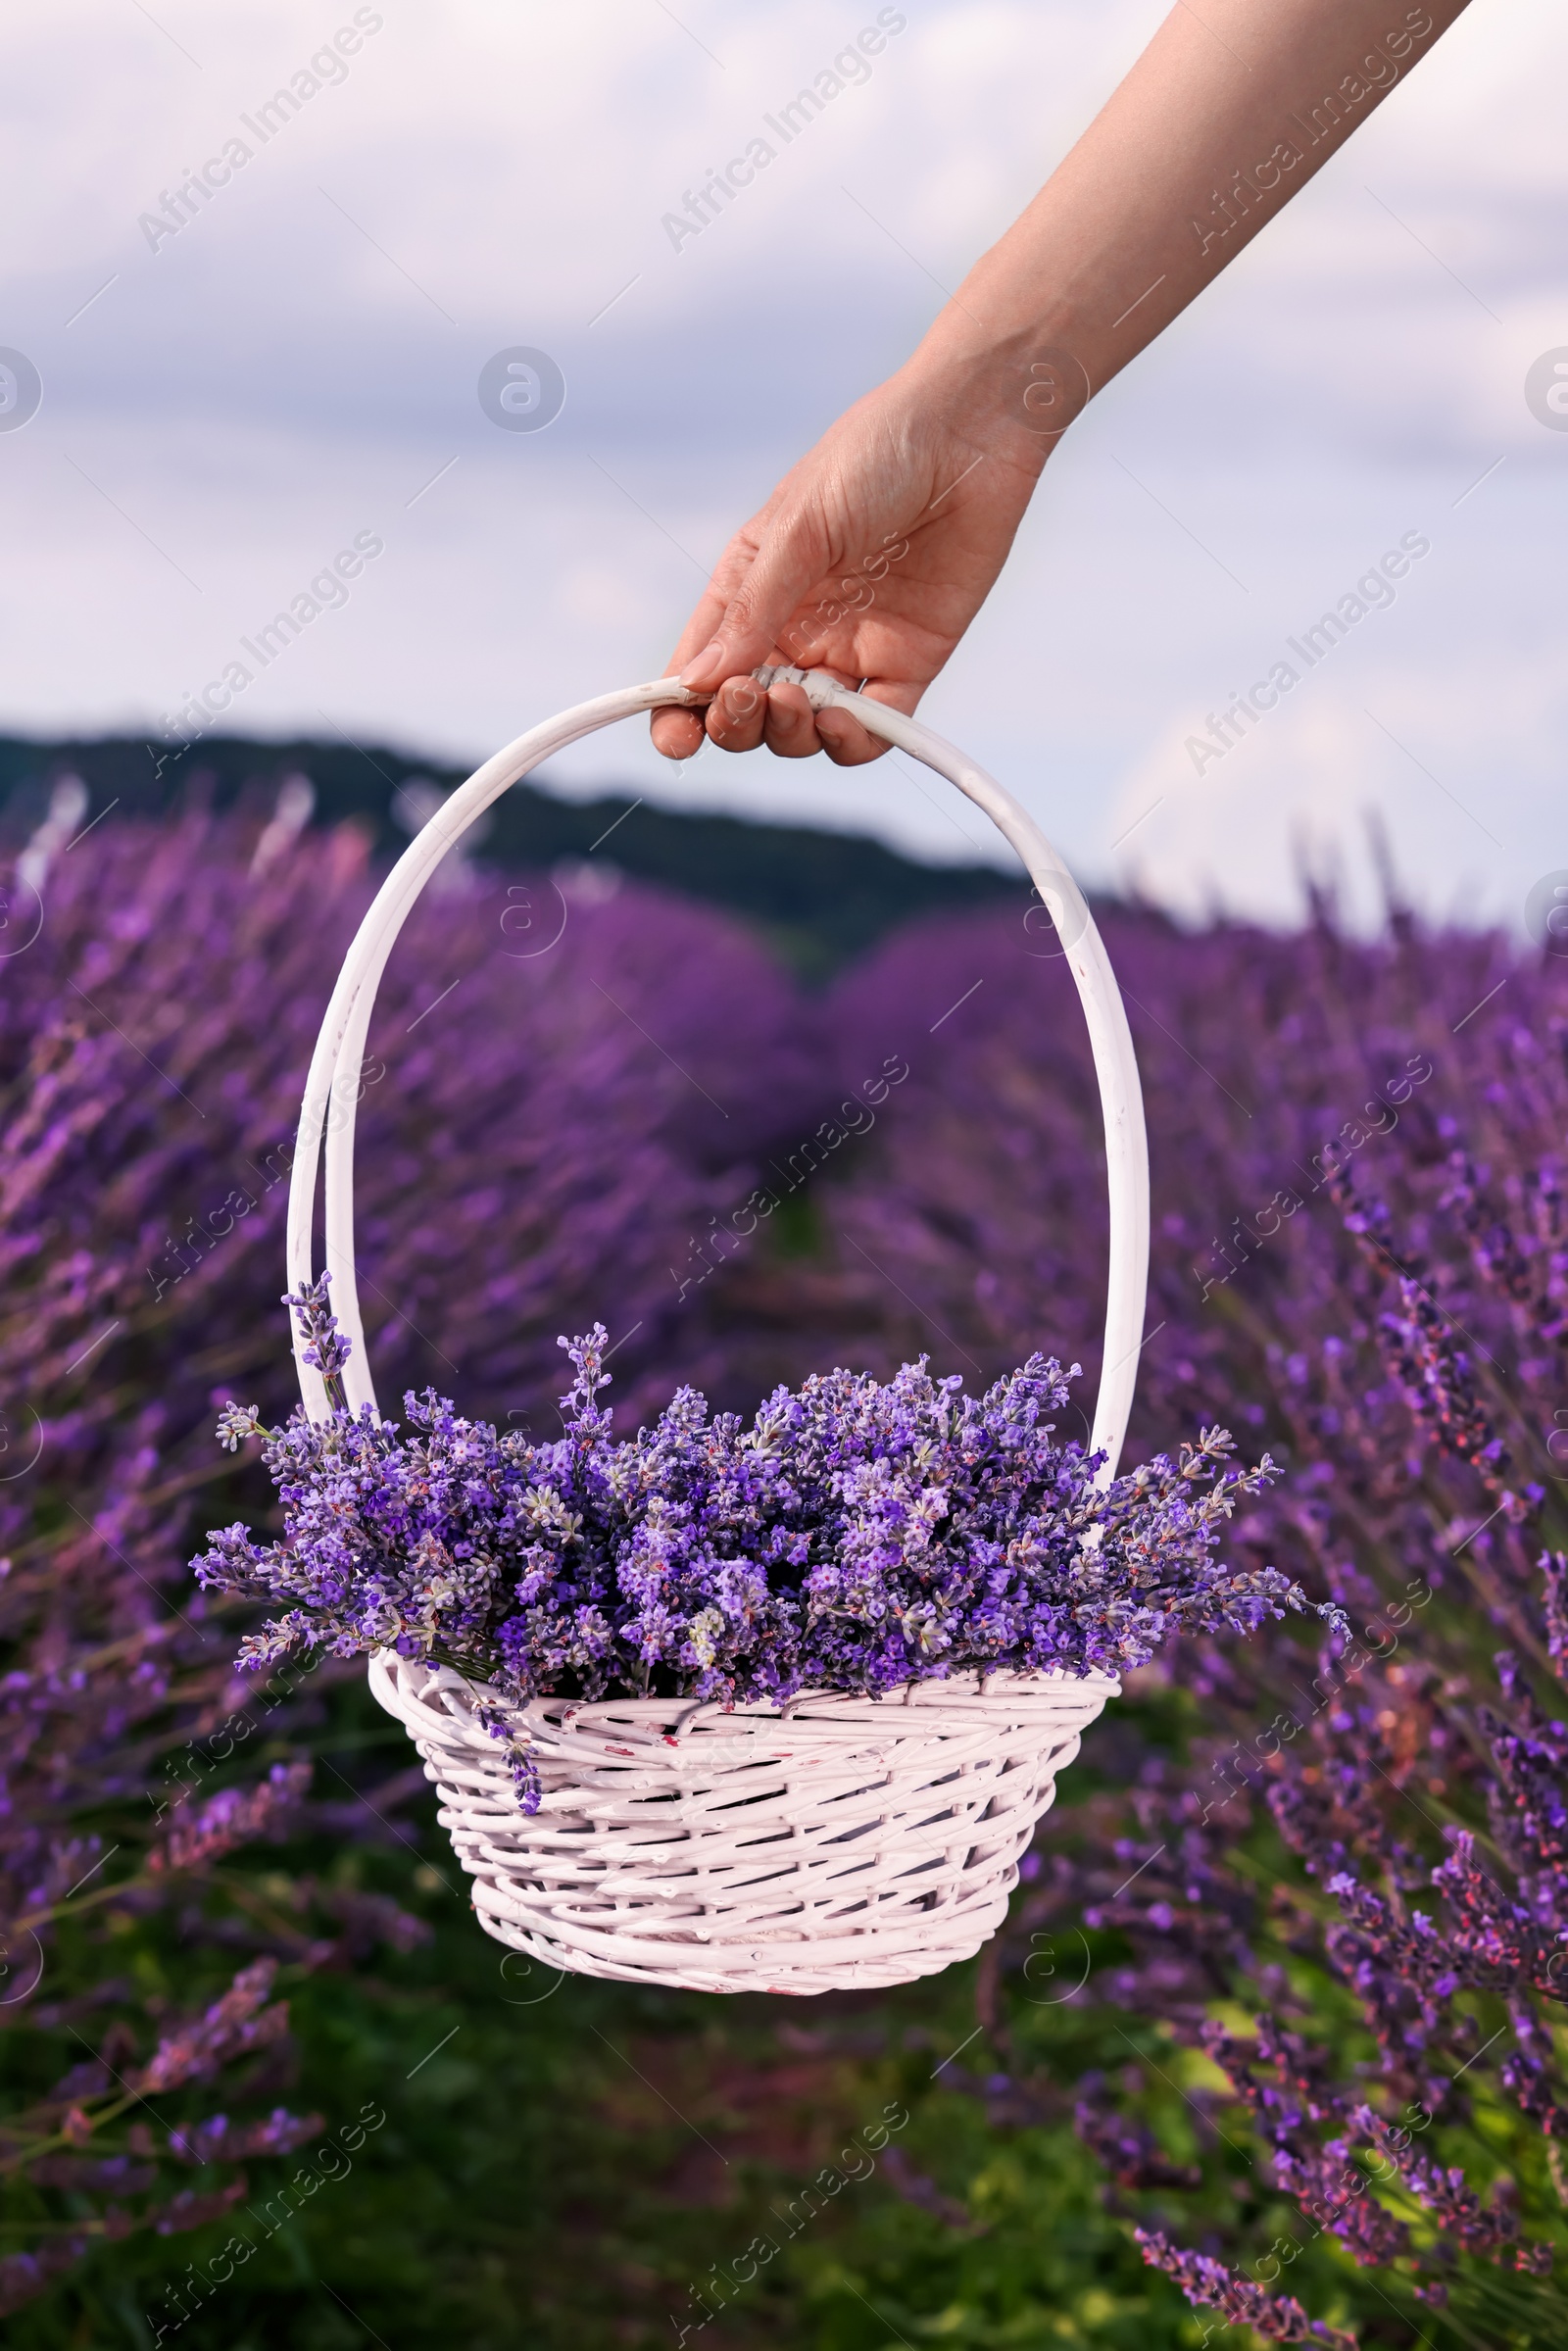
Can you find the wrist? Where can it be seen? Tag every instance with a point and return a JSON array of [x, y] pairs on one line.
[[1013, 391]]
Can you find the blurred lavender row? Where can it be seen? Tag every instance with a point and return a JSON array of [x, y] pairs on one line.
[[585, 1103], [541, 1134]]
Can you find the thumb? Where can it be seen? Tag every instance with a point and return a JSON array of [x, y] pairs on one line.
[[791, 554]]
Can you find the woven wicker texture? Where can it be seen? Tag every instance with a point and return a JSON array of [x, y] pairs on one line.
[[843, 1843]]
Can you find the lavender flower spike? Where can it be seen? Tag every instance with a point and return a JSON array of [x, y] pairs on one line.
[[855, 1536]]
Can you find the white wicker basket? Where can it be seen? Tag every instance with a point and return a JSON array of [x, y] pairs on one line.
[[839, 1842]]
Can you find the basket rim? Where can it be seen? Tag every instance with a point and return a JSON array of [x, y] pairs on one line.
[[970, 1687]]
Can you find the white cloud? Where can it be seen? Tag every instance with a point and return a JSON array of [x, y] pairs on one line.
[[296, 364]]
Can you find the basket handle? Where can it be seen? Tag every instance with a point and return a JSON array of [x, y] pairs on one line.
[[332, 1086]]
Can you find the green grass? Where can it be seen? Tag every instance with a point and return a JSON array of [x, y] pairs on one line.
[[567, 2164]]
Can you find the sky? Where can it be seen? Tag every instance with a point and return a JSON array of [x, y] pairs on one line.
[[227, 409]]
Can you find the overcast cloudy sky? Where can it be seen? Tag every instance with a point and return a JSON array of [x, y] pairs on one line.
[[300, 364]]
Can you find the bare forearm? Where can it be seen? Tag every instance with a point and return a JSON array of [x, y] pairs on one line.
[[1232, 108]]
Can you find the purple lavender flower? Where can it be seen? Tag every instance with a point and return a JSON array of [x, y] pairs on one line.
[[855, 1536], [525, 1149], [219, 2139], [1210, 2284], [1360, 1253], [233, 1817], [237, 2022]]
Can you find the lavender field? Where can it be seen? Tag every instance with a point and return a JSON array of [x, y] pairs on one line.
[[1272, 2045]]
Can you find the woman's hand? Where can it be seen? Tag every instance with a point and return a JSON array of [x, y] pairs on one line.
[[874, 554], [869, 561]]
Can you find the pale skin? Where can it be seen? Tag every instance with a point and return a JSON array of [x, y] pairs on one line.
[[875, 551]]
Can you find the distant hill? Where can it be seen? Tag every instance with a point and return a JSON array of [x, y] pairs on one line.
[[820, 896]]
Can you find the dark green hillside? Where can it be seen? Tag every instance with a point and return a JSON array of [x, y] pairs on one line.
[[821, 896]]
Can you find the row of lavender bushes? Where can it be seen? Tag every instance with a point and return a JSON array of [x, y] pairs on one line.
[[1338, 1963], [1333, 1910], [527, 1158]]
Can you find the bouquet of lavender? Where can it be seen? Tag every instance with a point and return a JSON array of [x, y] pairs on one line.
[[855, 1536]]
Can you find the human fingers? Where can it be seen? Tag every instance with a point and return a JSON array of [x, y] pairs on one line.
[[730, 641], [737, 714], [845, 741], [790, 556], [741, 715], [744, 715], [789, 729], [678, 733]]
